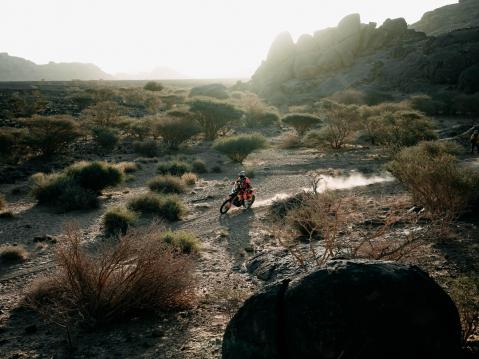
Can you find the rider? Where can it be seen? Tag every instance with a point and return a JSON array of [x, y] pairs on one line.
[[242, 183]]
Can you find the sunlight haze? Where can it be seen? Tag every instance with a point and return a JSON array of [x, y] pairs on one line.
[[199, 39]]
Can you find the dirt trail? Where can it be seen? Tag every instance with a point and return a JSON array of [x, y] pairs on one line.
[[227, 243]]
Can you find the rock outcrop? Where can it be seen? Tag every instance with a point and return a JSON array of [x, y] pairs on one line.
[[390, 57], [349, 309], [448, 18]]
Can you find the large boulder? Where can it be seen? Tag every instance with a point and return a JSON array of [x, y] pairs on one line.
[[349, 309]]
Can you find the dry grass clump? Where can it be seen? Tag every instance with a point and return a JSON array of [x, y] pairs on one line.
[[189, 178], [136, 276], [199, 166], [185, 241], [13, 254], [167, 184], [431, 173], [128, 167], [174, 168], [290, 141], [169, 207], [117, 220]]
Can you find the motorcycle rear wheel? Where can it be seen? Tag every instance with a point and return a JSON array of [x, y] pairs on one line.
[[225, 207]]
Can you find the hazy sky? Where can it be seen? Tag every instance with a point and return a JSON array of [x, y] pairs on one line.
[[199, 38]]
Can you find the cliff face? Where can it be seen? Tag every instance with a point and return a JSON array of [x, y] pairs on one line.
[[390, 57], [448, 18], [18, 69]]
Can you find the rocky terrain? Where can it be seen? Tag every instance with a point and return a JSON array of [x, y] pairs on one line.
[[391, 57], [449, 18]]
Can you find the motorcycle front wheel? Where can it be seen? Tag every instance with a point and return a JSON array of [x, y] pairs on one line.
[[225, 207]]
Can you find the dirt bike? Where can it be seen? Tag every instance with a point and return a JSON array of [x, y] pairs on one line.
[[237, 198]]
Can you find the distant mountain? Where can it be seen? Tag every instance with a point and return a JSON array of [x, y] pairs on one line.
[[159, 73], [448, 18], [14, 68]]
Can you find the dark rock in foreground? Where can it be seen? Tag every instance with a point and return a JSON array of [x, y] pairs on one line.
[[349, 309]]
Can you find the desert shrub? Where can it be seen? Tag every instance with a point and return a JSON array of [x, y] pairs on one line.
[[401, 128], [107, 138], [169, 207], [218, 91], [184, 241], [77, 187], [153, 86], [199, 166], [128, 167], [61, 191], [103, 113], [313, 138], [431, 173], [140, 128], [426, 104], [12, 143], [214, 116], [290, 141], [166, 184], [189, 178], [174, 168], [138, 275], [464, 290], [96, 175], [117, 220], [50, 134], [257, 113], [175, 131], [301, 122], [13, 254], [148, 148], [237, 148], [340, 123], [281, 207]]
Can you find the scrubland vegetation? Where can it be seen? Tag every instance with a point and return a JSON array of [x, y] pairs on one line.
[[169, 156]]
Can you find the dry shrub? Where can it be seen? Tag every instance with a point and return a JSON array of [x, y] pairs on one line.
[[340, 123], [128, 167], [431, 173], [13, 254], [117, 220], [138, 275], [464, 290], [166, 184], [189, 178], [290, 141], [199, 166]]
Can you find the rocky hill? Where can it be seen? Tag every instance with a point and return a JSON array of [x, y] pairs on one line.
[[18, 69], [449, 18], [389, 58]]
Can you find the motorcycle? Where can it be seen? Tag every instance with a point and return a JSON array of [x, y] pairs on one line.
[[238, 199]]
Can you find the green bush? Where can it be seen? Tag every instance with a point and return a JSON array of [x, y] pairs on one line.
[[340, 123], [175, 131], [402, 128], [149, 148], [211, 90], [63, 192], [426, 104], [174, 168], [313, 138], [301, 122], [169, 207], [139, 128], [96, 175], [237, 148], [117, 220], [103, 113], [153, 86], [214, 116], [184, 241], [166, 184], [50, 134], [107, 138], [431, 173], [199, 166]]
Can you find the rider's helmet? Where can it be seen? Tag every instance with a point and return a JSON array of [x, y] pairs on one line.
[[242, 174]]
